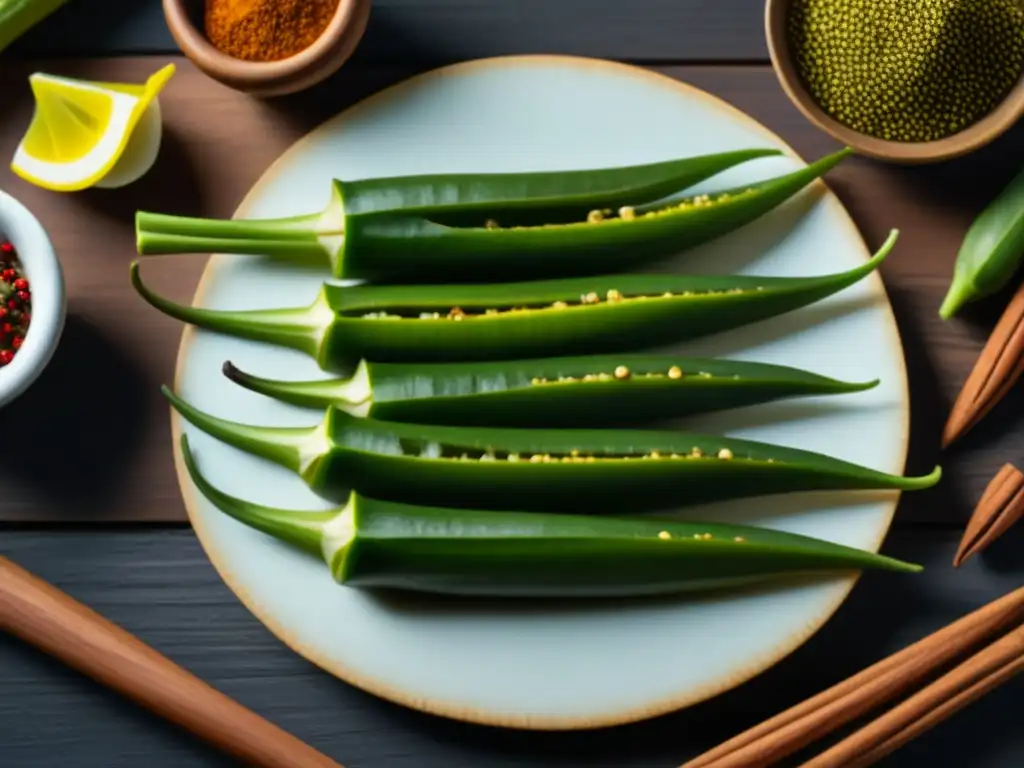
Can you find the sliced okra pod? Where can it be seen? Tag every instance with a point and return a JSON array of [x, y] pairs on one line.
[[566, 470], [462, 323], [600, 390], [496, 227], [370, 543]]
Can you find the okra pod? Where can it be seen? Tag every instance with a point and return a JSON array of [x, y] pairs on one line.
[[495, 227], [372, 544], [991, 252], [565, 470], [599, 390], [463, 323]]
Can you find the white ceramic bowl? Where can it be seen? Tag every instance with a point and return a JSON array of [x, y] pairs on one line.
[[46, 279]]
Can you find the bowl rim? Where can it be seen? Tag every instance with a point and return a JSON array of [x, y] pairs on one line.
[[973, 137], [43, 270], [348, 20]]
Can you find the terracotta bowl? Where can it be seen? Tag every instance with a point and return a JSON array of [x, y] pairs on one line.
[[971, 138], [272, 78]]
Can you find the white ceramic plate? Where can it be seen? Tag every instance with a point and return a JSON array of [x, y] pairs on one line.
[[589, 665]]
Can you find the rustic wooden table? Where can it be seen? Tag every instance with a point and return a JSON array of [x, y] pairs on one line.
[[113, 533]]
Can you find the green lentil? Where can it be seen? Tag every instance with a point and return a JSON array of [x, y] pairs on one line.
[[908, 70]]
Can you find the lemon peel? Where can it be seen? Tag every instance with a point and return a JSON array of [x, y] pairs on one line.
[[90, 133]]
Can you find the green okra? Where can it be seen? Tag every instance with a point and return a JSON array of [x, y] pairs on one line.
[[991, 252], [372, 544], [566, 470], [462, 323], [599, 390], [496, 227]]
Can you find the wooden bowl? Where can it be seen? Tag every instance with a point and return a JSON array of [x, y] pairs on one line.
[[272, 78], [967, 140]]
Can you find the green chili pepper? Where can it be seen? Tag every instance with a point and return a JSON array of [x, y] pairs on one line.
[[991, 251], [551, 391], [563, 469], [494, 227], [461, 323], [369, 543]]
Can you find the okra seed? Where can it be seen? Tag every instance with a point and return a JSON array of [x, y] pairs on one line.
[[591, 298], [513, 457], [675, 372], [491, 312], [664, 535], [559, 305], [590, 377], [464, 457], [604, 377], [725, 453], [591, 458], [614, 295], [707, 537], [697, 453], [455, 312], [548, 458], [697, 536], [667, 295], [595, 216], [621, 372], [627, 212], [704, 375], [536, 458], [739, 539]]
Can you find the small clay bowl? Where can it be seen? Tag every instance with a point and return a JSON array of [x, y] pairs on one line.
[[971, 138], [271, 78]]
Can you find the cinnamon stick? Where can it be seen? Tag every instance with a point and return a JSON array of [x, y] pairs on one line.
[[802, 724], [997, 661], [1000, 506], [997, 369], [940, 713]]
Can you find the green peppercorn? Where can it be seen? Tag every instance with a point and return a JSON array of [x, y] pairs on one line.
[[908, 70]]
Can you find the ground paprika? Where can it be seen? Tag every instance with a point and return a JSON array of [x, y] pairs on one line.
[[266, 30]]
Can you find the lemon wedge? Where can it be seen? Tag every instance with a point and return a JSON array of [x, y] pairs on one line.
[[86, 133]]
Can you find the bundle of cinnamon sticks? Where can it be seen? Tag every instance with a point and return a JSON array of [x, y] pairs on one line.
[[995, 635]]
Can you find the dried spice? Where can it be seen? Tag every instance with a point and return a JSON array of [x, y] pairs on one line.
[[1001, 505], [998, 367], [908, 70], [266, 30], [15, 304]]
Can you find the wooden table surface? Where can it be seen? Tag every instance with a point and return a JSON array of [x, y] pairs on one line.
[[114, 533]]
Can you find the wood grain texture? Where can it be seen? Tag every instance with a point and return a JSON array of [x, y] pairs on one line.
[[438, 31], [159, 585], [35, 611], [101, 391]]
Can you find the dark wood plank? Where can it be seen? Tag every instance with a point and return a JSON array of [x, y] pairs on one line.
[[102, 389], [436, 31], [160, 586]]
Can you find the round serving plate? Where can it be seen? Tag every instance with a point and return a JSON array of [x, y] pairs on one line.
[[570, 665]]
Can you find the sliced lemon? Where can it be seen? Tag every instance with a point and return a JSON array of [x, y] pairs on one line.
[[86, 133]]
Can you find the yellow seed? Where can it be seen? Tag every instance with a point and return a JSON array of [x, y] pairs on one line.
[[455, 312], [590, 377], [627, 212], [591, 458], [536, 381], [491, 224], [621, 372], [667, 295], [487, 457], [664, 535], [697, 453], [559, 305], [697, 536], [675, 372], [574, 452], [490, 312], [513, 457], [604, 376], [614, 295], [739, 539], [464, 457], [548, 458], [708, 537], [591, 298], [725, 453], [655, 455], [536, 458], [595, 216]]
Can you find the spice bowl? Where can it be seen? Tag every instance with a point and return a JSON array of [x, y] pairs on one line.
[[318, 61], [39, 265], [976, 135]]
